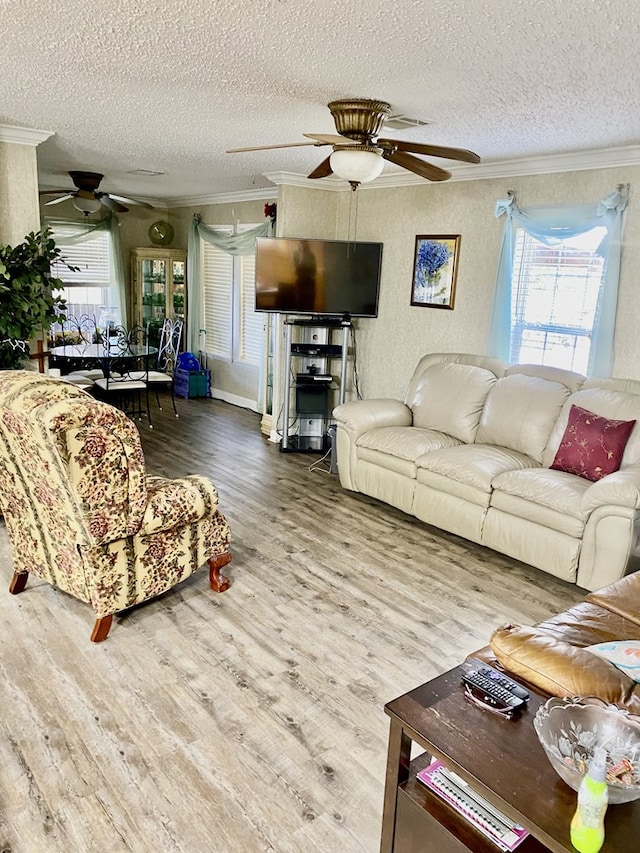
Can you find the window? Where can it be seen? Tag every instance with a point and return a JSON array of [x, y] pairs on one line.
[[87, 290], [234, 330], [555, 299]]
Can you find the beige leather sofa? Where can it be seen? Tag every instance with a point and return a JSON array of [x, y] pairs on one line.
[[469, 450]]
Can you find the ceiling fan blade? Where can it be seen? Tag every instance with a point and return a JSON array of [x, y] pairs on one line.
[[331, 139], [111, 204], [128, 200], [269, 147], [323, 170], [430, 150], [413, 164], [65, 191], [59, 199]]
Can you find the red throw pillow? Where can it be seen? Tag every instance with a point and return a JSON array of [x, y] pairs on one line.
[[591, 446]]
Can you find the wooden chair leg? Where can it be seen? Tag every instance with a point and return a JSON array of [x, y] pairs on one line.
[[101, 629], [218, 582], [18, 582]]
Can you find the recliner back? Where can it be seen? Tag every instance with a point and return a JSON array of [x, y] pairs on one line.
[[56, 443], [523, 406], [447, 392]]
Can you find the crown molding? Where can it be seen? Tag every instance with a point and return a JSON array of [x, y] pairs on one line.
[[23, 135], [294, 179], [261, 194], [574, 161]]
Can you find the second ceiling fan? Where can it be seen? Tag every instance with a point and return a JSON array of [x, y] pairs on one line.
[[359, 152], [87, 198]]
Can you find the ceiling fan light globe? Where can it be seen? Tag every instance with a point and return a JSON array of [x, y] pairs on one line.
[[358, 165], [86, 205]]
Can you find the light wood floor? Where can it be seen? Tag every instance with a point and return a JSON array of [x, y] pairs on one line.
[[252, 720]]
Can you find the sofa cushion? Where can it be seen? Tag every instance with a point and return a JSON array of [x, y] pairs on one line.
[[587, 623], [561, 669], [494, 365], [591, 446], [405, 442], [537, 514], [474, 465], [573, 381], [607, 403], [450, 398], [621, 597], [380, 459], [556, 490], [520, 412], [581, 625]]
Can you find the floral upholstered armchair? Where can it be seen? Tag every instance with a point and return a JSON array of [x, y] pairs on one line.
[[81, 512]]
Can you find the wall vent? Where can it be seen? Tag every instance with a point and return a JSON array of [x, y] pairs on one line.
[[397, 121]]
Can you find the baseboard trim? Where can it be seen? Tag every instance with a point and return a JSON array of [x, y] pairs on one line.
[[235, 400]]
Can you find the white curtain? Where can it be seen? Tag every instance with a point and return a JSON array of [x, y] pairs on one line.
[[79, 231], [551, 225]]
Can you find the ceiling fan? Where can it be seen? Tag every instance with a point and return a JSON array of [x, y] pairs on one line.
[[359, 153], [87, 199]]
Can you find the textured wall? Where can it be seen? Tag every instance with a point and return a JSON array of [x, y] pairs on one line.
[[19, 212], [308, 213], [390, 345]]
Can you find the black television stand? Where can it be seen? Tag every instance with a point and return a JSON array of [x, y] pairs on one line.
[[309, 390], [322, 321]]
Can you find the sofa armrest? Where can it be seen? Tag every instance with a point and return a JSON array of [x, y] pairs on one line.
[[622, 488], [561, 669], [360, 416], [176, 503]]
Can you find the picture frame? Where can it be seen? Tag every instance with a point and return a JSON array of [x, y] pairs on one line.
[[435, 268]]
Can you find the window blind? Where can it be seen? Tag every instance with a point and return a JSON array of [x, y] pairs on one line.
[[91, 256], [554, 299], [218, 299], [235, 331]]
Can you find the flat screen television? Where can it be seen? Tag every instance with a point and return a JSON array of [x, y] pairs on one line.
[[319, 277]]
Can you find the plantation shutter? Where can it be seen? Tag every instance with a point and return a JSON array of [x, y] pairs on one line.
[[218, 299], [91, 256]]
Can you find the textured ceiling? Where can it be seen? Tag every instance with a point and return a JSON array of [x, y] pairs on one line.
[[147, 84]]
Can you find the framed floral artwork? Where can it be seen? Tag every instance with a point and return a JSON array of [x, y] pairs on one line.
[[435, 268]]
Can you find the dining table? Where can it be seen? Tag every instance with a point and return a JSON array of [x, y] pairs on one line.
[[69, 357]]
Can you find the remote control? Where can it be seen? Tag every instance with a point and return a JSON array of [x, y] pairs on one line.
[[494, 684]]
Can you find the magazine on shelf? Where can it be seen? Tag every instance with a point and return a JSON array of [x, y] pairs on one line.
[[495, 825]]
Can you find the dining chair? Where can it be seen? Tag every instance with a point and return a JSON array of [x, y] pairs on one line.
[[77, 332], [168, 350], [125, 382]]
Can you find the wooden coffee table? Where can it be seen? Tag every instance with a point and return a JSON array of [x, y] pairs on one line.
[[501, 759]]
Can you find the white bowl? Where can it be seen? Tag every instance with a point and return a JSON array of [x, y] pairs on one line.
[[569, 731]]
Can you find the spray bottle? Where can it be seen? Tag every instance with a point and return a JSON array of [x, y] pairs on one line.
[[587, 826]]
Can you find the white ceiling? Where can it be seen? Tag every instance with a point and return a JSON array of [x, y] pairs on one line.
[[148, 84]]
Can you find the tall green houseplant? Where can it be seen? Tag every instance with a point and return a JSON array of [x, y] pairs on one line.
[[28, 301]]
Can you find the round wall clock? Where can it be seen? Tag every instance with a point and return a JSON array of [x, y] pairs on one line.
[[161, 233]]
